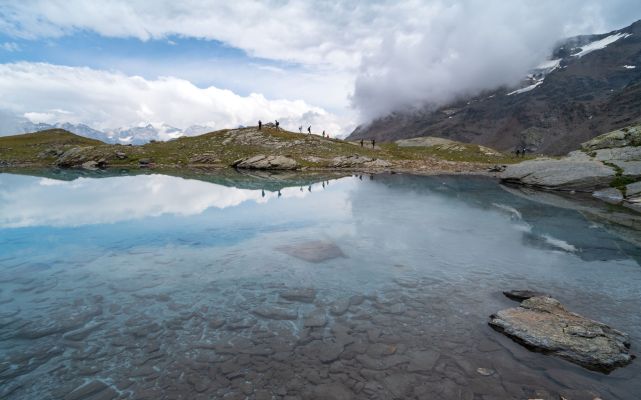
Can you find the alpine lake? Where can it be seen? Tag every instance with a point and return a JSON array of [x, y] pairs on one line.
[[226, 285]]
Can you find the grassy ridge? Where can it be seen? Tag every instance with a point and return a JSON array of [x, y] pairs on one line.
[[222, 148]]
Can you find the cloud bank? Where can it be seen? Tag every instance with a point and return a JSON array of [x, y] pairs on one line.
[[105, 100], [466, 47], [399, 54]]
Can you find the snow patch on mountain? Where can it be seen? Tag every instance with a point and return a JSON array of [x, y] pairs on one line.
[[550, 65], [600, 44], [629, 66], [527, 88]]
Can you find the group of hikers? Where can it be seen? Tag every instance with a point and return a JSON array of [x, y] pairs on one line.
[[300, 128], [520, 151], [309, 132], [373, 143]]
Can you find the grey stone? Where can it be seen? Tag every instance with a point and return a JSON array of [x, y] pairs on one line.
[[422, 361], [277, 313], [87, 389], [543, 324], [303, 295], [629, 136], [355, 160], [630, 168], [339, 306], [82, 333], [90, 165], [585, 176], [520, 295], [262, 161], [621, 154], [75, 156], [331, 391], [633, 189], [315, 251], [609, 195], [316, 319]]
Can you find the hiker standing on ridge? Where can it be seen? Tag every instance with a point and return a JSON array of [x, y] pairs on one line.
[[373, 143], [323, 133], [277, 124], [300, 129], [309, 130], [361, 142], [260, 124]]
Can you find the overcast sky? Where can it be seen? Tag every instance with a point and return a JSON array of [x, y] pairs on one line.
[[332, 64]]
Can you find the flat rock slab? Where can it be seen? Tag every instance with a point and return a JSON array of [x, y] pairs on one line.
[[277, 313], [543, 324], [564, 174], [315, 251], [303, 295]]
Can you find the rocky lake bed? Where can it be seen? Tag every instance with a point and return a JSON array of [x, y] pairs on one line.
[[297, 288]]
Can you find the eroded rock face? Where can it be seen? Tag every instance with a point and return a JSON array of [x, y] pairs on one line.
[[262, 161], [75, 156], [357, 160], [543, 324], [630, 136], [585, 176]]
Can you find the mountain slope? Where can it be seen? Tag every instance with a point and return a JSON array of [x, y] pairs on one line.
[[591, 85]]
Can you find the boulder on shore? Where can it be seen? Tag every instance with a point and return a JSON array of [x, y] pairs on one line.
[[542, 324], [262, 161], [565, 174], [358, 161]]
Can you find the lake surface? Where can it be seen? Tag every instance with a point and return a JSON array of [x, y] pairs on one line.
[[232, 286]]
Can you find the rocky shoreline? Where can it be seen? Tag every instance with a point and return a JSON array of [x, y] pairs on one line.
[[608, 167]]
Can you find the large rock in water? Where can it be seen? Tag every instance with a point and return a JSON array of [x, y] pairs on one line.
[[543, 324], [262, 161], [566, 174]]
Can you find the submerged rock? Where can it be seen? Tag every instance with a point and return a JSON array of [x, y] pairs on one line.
[[520, 295], [543, 324], [303, 295], [313, 251], [277, 313]]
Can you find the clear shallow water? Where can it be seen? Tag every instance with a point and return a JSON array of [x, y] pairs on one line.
[[155, 286]]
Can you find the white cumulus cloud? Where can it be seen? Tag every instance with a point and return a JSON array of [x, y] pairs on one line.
[[105, 100], [398, 54]]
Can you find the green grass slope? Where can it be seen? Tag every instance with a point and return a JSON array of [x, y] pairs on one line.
[[222, 148]]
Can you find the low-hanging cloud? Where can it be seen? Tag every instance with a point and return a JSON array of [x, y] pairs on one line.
[[466, 47]]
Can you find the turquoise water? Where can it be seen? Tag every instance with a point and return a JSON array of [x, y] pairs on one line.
[[235, 286]]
